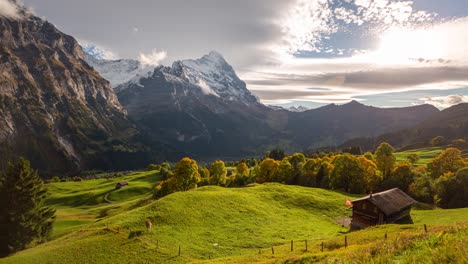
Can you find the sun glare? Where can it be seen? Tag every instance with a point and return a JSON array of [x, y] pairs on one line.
[[400, 46]]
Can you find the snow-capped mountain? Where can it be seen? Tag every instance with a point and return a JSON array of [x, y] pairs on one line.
[[213, 75], [297, 108], [200, 106], [117, 72]]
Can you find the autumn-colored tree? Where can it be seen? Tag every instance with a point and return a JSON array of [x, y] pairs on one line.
[[372, 178], [385, 159], [323, 174], [368, 155], [204, 175], [297, 160], [283, 172], [413, 158], [218, 173], [421, 189], [452, 189], [401, 177], [309, 173], [242, 169], [267, 170], [186, 175], [450, 160], [347, 174]]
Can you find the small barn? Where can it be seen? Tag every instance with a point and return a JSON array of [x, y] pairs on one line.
[[121, 184], [381, 208]]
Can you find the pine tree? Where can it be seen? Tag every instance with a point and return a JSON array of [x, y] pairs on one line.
[[24, 220]]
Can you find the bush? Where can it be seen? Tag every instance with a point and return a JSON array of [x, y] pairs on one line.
[[153, 167], [77, 179]]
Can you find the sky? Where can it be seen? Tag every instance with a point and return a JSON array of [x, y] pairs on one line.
[[385, 53]]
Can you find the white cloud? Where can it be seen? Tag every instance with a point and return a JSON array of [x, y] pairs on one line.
[[135, 29], [153, 58], [445, 101], [9, 9]]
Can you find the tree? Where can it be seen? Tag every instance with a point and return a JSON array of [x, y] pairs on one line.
[[186, 175], [438, 141], [450, 160], [401, 177], [347, 174], [242, 169], [452, 189], [24, 219], [413, 158], [204, 175], [218, 173], [369, 156], [283, 172], [421, 189], [309, 173], [267, 171], [385, 159], [277, 154], [297, 160], [372, 178]]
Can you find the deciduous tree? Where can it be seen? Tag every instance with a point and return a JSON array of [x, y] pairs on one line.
[[385, 159], [450, 160], [267, 171], [347, 174], [372, 179], [186, 175], [218, 173]]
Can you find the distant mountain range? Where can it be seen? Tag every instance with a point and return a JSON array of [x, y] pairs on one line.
[[451, 123], [58, 110]]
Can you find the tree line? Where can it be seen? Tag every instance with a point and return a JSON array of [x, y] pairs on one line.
[[442, 182]]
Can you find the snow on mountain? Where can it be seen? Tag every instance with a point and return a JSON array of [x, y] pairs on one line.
[[295, 109], [117, 72], [216, 77]]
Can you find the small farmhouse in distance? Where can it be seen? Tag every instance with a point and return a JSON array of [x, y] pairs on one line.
[[381, 208], [121, 184]]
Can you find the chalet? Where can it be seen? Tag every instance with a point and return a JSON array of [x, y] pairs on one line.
[[229, 173], [381, 208], [121, 184]]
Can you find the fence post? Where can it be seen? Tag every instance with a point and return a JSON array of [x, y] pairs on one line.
[[306, 244], [322, 246], [345, 241], [385, 235], [425, 228], [272, 250], [179, 250], [292, 245]]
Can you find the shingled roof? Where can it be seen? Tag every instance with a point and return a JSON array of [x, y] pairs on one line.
[[390, 201]]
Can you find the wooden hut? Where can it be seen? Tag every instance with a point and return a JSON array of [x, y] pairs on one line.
[[381, 208], [121, 184]]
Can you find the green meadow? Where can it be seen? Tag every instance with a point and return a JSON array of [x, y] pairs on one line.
[[98, 224]]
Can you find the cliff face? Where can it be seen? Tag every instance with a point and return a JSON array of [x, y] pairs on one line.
[[55, 109]]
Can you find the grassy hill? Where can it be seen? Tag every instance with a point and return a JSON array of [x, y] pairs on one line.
[[210, 224], [425, 154]]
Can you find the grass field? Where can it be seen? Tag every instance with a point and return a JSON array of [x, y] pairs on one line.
[[212, 224], [425, 154]]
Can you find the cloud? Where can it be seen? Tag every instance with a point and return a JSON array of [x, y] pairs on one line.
[[9, 9], [153, 58], [445, 101]]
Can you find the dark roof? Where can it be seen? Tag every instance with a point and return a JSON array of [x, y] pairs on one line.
[[122, 183], [390, 201]]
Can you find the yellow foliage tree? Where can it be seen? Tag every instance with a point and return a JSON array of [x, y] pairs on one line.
[[450, 160], [186, 175]]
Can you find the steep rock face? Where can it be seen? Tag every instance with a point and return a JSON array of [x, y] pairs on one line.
[[201, 107], [55, 109]]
